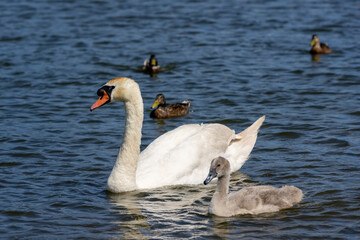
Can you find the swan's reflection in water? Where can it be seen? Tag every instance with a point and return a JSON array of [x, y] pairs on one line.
[[179, 211], [132, 223]]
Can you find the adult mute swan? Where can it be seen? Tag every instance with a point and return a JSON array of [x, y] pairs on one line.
[[180, 156], [249, 200]]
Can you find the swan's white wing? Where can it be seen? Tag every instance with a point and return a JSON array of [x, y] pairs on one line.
[[242, 145], [182, 156]]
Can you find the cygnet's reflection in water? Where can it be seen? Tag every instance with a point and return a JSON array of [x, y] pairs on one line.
[[246, 226], [222, 226], [177, 211]]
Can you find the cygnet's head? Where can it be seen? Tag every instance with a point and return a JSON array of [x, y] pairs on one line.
[[219, 167], [116, 90]]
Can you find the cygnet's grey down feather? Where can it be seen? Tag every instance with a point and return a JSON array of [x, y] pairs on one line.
[[249, 200]]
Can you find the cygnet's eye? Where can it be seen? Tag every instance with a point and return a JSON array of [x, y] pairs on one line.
[[218, 165]]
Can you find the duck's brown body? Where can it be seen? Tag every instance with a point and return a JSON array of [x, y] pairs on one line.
[[319, 47], [164, 110], [151, 65], [151, 69], [170, 110]]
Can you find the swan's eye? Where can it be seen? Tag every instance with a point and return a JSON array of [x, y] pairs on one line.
[[218, 165], [106, 89], [100, 92]]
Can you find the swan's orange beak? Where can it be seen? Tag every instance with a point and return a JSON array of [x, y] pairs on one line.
[[103, 99]]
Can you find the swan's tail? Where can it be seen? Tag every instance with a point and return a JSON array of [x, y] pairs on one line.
[[241, 146]]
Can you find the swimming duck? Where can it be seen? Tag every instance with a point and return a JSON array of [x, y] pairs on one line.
[[318, 47], [180, 156], [249, 200], [164, 110], [151, 65]]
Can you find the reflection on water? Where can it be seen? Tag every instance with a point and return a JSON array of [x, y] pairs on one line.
[[315, 57], [131, 221], [151, 74], [221, 226], [235, 61], [138, 211]]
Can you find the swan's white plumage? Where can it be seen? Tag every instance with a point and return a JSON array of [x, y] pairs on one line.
[[181, 156]]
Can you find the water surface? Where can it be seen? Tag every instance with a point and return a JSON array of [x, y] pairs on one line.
[[235, 60]]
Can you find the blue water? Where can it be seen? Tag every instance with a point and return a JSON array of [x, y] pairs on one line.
[[235, 61]]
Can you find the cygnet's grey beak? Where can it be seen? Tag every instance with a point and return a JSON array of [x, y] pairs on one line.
[[212, 174]]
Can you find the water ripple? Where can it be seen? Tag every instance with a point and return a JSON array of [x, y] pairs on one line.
[[235, 62]]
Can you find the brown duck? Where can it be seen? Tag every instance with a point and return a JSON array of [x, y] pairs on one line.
[[164, 110], [151, 65], [318, 47]]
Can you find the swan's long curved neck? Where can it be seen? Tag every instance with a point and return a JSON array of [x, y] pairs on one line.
[[123, 175]]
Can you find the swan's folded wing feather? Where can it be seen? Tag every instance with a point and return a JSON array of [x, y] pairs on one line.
[[241, 146], [183, 155]]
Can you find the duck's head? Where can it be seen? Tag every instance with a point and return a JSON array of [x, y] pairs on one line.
[[160, 99], [116, 90], [315, 39], [153, 61], [219, 167]]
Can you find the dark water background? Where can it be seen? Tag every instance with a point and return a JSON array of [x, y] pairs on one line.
[[235, 60]]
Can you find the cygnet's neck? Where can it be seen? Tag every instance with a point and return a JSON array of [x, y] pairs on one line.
[[123, 175], [222, 190]]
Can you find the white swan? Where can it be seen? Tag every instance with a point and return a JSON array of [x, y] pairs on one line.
[[249, 200], [181, 156]]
